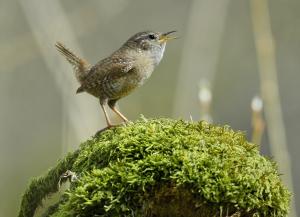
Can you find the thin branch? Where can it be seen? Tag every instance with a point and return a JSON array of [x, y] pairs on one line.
[[205, 98], [81, 114], [200, 52], [269, 90], [258, 123]]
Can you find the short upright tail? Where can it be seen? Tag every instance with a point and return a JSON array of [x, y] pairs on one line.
[[81, 66]]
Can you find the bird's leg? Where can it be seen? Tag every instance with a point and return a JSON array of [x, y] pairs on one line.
[[105, 114], [112, 105]]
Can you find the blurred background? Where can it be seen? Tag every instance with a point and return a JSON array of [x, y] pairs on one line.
[[230, 55]]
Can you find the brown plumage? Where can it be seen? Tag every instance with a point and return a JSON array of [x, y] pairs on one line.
[[81, 66], [119, 74]]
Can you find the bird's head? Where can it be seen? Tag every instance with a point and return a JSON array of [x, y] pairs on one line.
[[150, 42], [149, 39]]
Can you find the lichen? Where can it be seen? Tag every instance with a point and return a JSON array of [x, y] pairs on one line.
[[164, 167]]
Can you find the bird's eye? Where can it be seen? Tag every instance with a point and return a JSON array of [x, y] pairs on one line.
[[152, 36]]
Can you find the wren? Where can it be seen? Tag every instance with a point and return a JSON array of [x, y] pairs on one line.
[[123, 71]]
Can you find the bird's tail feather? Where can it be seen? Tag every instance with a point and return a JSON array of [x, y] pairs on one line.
[[80, 65]]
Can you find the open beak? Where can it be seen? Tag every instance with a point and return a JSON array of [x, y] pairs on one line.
[[166, 37]]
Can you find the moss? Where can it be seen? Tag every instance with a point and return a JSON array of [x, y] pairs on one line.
[[166, 168], [39, 188]]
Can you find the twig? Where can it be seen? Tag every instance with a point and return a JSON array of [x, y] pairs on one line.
[[258, 123], [197, 63], [269, 90], [205, 97]]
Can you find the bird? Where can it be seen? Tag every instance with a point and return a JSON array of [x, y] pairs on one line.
[[117, 75]]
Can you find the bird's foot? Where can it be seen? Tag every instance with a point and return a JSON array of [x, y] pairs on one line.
[[107, 127], [125, 122]]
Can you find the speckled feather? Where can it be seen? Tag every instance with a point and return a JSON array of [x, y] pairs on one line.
[[104, 76], [81, 67], [123, 71], [127, 68]]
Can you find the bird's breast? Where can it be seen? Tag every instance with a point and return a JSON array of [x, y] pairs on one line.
[[143, 68]]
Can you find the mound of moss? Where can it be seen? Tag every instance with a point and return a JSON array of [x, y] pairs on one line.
[[162, 168]]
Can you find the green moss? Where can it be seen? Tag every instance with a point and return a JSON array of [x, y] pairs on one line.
[[40, 187], [166, 168]]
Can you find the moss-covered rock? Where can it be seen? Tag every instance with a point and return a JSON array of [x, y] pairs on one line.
[[165, 168]]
